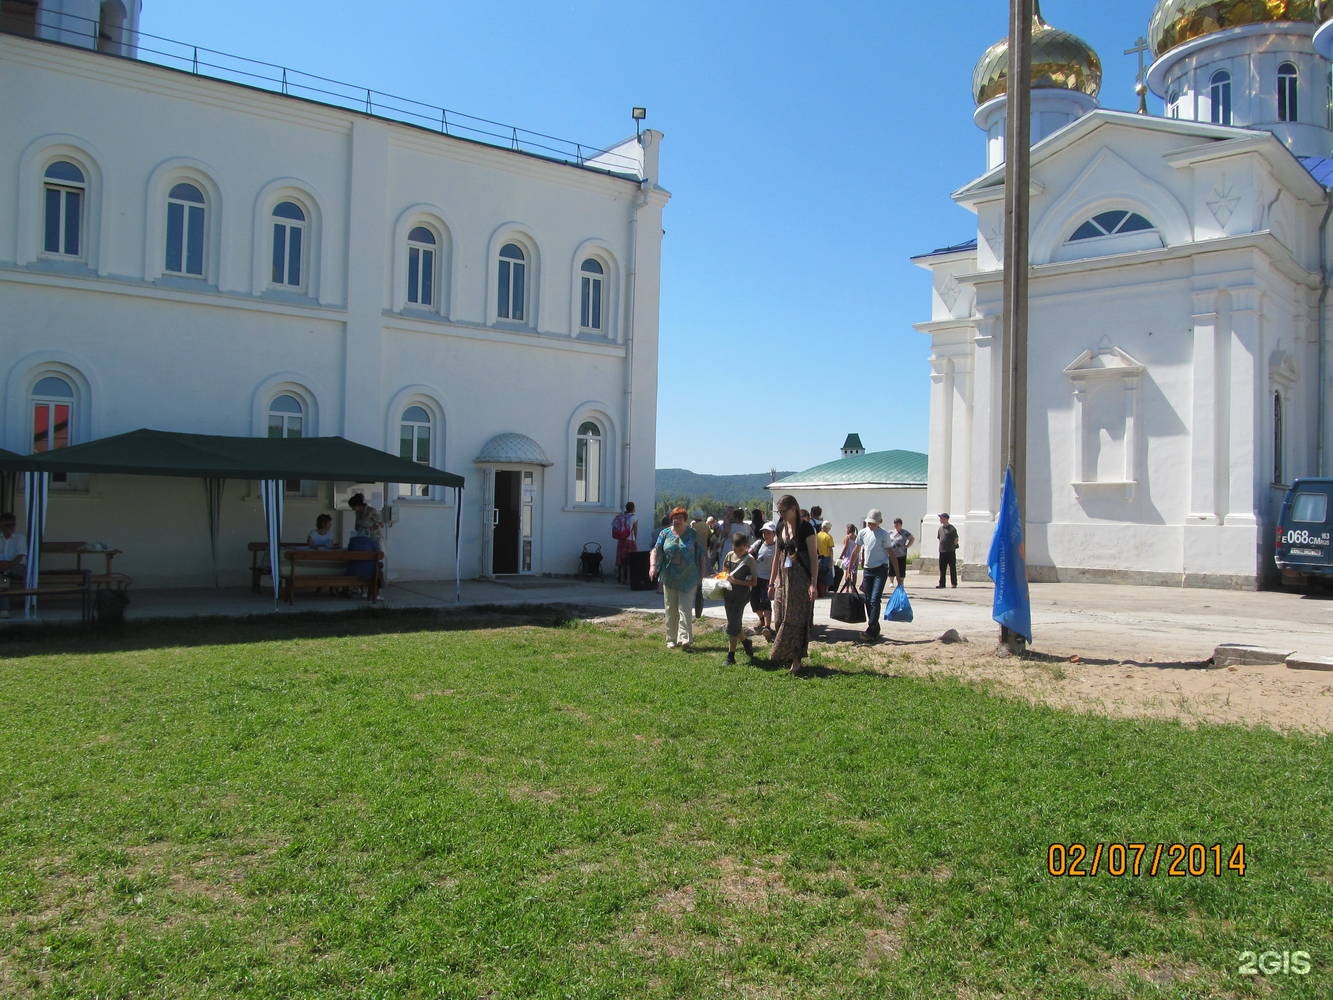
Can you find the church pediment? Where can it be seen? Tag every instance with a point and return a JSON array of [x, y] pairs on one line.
[[1104, 361]]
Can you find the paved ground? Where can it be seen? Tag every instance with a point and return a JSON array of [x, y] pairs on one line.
[[1145, 624]]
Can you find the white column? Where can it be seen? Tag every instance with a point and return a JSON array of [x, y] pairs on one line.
[[1245, 414], [1204, 413], [940, 456], [1080, 474], [367, 236], [961, 406], [984, 476]]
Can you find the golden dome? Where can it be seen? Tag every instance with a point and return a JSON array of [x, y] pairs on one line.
[[1176, 22], [1060, 61]]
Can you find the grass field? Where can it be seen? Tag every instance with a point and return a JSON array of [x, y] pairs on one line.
[[405, 805]]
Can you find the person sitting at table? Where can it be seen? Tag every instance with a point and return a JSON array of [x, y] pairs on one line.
[[322, 537], [13, 557]]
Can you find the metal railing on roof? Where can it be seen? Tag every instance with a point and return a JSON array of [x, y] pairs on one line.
[[199, 60]]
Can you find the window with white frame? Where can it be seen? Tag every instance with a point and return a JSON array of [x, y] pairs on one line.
[[1286, 92], [414, 444], [592, 277], [1173, 103], [289, 229], [588, 463], [512, 281], [1219, 98], [286, 419], [65, 190], [421, 253], [186, 219], [52, 418], [1112, 223]]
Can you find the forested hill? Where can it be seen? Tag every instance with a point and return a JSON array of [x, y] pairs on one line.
[[727, 489]]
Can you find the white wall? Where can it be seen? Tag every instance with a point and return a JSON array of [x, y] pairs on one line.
[[206, 355]]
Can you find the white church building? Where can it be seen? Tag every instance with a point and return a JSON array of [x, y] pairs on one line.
[[1178, 302], [184, 252]]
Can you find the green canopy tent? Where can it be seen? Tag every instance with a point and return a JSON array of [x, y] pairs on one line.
[[216, 458]]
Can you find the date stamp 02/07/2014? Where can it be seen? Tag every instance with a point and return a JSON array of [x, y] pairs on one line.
[[1132, 860]]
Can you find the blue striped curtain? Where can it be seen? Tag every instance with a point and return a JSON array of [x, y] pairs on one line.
[[271, 494], [34, 490]]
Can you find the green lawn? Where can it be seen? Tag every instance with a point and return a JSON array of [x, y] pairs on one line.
[[408, 805]]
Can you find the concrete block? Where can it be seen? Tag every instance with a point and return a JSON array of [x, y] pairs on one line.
[[1303, 661], [1232, 654]]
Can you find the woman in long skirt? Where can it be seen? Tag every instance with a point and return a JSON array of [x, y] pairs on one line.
[[792, 585]]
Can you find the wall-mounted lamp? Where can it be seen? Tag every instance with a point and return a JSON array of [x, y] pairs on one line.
[[638, 114]]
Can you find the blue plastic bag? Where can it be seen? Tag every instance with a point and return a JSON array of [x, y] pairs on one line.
[[900, 608]]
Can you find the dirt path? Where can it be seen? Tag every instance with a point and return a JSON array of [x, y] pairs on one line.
[[1095, 679]]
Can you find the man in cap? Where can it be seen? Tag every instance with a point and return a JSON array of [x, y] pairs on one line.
[[948, 536], [872, 554]]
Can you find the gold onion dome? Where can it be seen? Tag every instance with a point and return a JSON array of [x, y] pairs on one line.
[[1060, 61], [1175, 22]]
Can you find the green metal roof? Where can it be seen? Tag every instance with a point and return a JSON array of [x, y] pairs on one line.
[[889, 468]]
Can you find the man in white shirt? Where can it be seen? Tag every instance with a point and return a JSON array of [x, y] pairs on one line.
[[13, 556], [872, 554]]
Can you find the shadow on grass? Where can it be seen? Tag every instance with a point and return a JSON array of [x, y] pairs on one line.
[[52, 638]]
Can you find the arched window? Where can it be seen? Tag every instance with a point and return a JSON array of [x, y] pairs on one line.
[[289, 226], [286, 419], [1111, 224], [1277, 437], [588, 464], [1173, 103], [65, 187], [1219, 98], [52, 414], [512, 282], [421, 252], [1286, 93], [414, 443], [53, 419], [186, 218], [591, 278]]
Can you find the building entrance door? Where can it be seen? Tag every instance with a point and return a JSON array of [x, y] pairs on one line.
[[514, 524]]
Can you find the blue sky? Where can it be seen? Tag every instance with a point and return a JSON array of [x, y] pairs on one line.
[[810, 153]]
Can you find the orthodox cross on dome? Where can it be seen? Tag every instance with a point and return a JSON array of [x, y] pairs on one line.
[[1140, 88]]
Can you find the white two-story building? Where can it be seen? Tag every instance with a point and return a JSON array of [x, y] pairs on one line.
[[183, 252]]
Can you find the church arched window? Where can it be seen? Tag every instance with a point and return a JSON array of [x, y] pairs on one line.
[[1286, 92], [1112, 223], [1219, 98]]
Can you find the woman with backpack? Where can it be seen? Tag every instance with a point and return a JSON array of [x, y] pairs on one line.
[[625, 530]]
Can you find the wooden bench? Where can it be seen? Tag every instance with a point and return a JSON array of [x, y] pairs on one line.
[[259, 567], [292, 581], [107, 579], [59, 583]]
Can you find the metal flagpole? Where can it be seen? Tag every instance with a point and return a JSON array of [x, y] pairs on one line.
[[1017, 167]]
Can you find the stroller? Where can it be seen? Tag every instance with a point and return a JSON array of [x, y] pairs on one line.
[[590, 560]]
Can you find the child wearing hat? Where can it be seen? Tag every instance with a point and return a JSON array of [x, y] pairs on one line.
[[760, 603]]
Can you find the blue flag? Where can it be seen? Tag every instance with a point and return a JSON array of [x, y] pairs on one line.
[[1012, 608]]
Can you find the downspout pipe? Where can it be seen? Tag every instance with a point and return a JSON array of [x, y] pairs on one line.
[[631, 284]]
